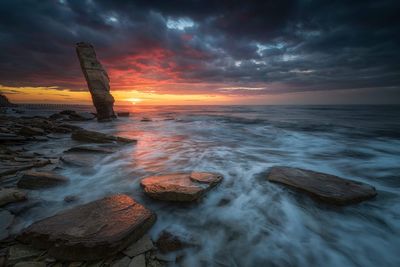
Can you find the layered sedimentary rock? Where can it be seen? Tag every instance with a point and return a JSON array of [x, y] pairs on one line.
[[10, 195], [180, 187], [96, 137], [321, 186], [37, 180], [97, 80], [91, 231]]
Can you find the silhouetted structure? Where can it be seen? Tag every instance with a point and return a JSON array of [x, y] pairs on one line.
[[97, 80]]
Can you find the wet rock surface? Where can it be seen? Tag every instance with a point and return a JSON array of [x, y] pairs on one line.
[[91, 149], [321, 186], [180, 187], [6, 219], [20, 252], [168, 242], [96, 137], [91, 231], [79, 159], [142, 245], [11, 195], [36, 180]]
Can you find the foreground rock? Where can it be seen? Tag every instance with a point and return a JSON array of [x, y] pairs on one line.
[[168, 242], [11, 166], [180, 187], [92, 231], [141, 246], [80, 159], [96, 137], [97, 80], [10, 195], [321, 186], [37, 180], [19, 252]]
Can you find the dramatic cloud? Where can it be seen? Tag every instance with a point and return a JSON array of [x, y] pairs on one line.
[[205, 47]]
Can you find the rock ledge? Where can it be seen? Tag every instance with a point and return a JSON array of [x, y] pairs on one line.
[[181, 187], [321, 186], [92, 231]]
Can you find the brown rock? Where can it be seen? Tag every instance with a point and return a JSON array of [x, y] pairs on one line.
[[91, 231], [23, 167], [321, 186], [123, 114], [36, 180], [180, 186], [168, 242], [82, 116], [79, 159], [97, 80], [96, 137], [10, 195]]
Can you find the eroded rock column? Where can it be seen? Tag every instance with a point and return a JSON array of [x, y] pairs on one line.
[[97, 80]]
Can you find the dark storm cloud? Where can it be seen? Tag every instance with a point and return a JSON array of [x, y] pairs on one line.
[[300, 45]]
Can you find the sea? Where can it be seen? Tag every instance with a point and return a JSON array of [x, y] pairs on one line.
[[246, 220]]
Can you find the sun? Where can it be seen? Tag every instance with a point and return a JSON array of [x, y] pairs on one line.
[[134, 100]]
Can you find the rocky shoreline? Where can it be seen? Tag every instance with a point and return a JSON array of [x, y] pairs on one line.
[[110, 231]]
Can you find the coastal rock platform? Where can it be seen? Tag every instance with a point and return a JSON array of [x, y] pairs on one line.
[[36, 180]]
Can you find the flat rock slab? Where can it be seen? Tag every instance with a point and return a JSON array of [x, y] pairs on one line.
[[20, 252], [37, 180], [79, 159], [168, 242], [96, 137], [143, 245], [30, 264], [91, 231], [10, 195], [7, 170], [182, 187], [91, 149], [139, 261], [321, 186]]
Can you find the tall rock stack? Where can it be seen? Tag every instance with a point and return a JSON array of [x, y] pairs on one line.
[[97, 80]]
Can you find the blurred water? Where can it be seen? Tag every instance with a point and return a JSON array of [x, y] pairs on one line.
[[247, 221]]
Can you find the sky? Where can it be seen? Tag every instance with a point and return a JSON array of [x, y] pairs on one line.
[[204, 52]]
